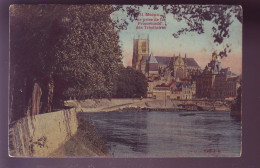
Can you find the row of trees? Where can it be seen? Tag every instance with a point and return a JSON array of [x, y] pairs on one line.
[[59, 52]]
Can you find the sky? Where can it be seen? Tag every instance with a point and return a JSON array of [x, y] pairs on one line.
[[198, 46]]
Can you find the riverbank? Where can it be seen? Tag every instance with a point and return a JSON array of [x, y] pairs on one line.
[[168, 134], [109, 105], [85, 143], [63, 134], [56, 134]]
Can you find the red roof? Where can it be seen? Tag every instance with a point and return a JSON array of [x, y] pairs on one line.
[[165, 85], [169, 84]]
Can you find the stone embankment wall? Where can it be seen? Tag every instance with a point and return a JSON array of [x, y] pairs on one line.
[[40, 135], [107, 105]]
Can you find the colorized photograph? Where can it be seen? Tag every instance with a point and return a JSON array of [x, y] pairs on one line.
[[125, 81]]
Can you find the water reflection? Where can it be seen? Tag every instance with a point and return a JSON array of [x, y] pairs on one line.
[[169, 134], [121, 131]]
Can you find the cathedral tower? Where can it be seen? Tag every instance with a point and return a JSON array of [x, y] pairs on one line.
[[140, 49]]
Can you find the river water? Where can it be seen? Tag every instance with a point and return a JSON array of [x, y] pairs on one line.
[[169, 134]]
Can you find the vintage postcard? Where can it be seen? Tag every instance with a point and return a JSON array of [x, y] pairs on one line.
[[125, 81]]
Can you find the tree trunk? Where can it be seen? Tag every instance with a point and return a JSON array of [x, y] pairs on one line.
[[35, 101], [50, 93], [12, 82]]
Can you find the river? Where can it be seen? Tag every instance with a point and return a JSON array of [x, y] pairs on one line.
[[168, 134]]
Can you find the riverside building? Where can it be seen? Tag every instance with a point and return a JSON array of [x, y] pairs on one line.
[[212, 82], [217, 82]]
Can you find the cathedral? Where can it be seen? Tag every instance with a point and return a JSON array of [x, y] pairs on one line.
[[154, 67], [182, 78]]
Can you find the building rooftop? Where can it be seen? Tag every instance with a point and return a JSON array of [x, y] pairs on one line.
[[152, 59], [181, 85], [165, 61], [165, 85], [228, 72]]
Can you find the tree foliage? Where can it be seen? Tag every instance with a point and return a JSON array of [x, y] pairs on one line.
[[131, 84], [73, 48], [33, 33], [89, 54], [195, 16]]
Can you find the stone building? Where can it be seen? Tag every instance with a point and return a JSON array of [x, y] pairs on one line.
[[172, 90], [176, 66], [140, 49], [152, 67], [160, 93], [182, 91], [216, 82], [162, 69], [161, 66]]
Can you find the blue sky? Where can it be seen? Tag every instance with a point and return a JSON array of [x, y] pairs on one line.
[[200, 47]]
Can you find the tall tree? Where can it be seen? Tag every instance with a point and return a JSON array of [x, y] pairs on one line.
[[131, 84], [60, 51], [89, 54], [33, 33]]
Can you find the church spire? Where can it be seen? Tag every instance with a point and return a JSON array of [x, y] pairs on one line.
[[179, 55]]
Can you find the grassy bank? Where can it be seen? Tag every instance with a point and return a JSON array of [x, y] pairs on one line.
[[85, 143]]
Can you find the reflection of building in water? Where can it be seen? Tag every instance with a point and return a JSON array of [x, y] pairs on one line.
[[216, 82]]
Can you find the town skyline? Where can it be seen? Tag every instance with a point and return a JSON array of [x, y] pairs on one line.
[[202, 59], [197, 46]]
